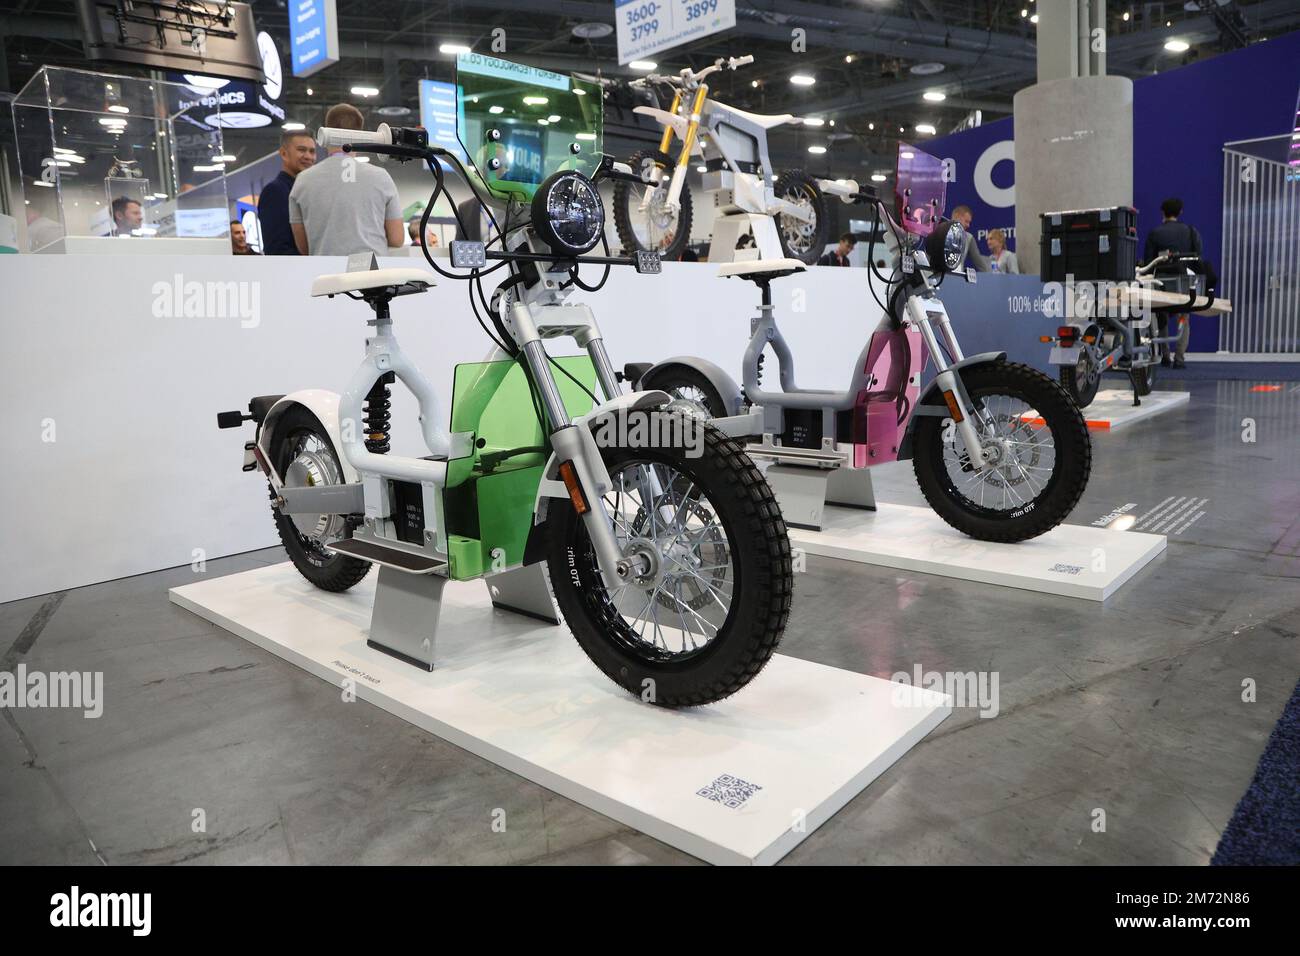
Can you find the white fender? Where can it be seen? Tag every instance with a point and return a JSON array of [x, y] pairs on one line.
[[664, 118], [325, 406]]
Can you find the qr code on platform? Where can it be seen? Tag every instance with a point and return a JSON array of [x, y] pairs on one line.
[[729, 791]]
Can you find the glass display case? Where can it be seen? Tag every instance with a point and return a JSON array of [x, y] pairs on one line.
[[121, 164]]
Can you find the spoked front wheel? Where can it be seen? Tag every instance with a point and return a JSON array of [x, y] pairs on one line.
[[711, 592], [1041, 456], [642, 215]]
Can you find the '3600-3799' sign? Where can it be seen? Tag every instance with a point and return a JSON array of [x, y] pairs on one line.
[[649, 26]]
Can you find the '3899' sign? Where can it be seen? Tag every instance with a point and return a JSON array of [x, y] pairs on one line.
[[649, 26]]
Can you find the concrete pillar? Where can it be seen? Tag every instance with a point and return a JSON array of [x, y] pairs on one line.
[[1058, 39], [1074, 150]]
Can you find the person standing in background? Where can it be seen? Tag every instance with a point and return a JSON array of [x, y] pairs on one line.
[[1001, 259], [839, 256], [297, 152], [342, 205], [1172, 236], [239, 240], [972, 255]]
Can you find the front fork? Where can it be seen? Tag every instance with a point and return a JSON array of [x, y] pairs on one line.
[[968, 420], [573, 443], [673, 201]]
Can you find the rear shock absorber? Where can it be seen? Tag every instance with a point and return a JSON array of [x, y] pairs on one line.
[[377, 415]]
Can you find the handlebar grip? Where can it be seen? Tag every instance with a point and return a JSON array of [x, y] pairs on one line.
[[745, 60], [329, 136]]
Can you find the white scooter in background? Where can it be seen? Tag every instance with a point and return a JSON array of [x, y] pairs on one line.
[[786, 213]]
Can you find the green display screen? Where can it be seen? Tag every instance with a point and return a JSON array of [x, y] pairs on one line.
[[541, 118]]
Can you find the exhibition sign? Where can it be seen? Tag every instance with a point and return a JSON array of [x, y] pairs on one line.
[[651, 26], [438, 114], [313, 35]]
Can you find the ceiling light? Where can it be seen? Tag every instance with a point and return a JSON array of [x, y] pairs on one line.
[[587, 136], [848, 58], [362, 159], [754, 83], [803, 79], [543, 122], [364, 91], [877, 177], [832, 122], [926, 69], [1125, 17], [535, 101], [934, 96], [925, 128], [644, 66], [816, 150], [452, 48], [701, 169], [310, 91], [813, 121], [291, 126], [1034, 19], [111, 121], [209, 169], [41, 182], [554, 117], [119, 108], [594, 30], [223, 159], [1177, 46], [579, 91], [907, 154], [496, 109]]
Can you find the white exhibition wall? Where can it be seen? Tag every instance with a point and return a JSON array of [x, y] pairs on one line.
[[114, 465]]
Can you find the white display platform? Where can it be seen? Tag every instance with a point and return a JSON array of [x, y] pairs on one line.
[[521, 693], [1113, 408], [1069, 560]]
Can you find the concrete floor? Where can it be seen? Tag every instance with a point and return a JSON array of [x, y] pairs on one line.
[[1133, 707]]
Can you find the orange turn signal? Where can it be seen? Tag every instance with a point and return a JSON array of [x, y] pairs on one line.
[[1046, 338], [569, 475], [953, 408]]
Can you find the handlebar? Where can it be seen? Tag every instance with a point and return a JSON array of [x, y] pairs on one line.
[[332, 137], [688, 77]]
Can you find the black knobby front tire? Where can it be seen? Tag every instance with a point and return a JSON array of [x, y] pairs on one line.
[[792, 183], [761, 596], [1071, 468], [328, 570], [627, 196], [677, 379]]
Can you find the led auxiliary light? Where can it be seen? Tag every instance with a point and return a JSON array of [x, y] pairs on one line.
[[567, 213]]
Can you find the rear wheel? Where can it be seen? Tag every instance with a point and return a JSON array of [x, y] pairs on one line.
[[711, 595], [690, 390], [304, 456], [799, 239], [656, 228], [1083, 378], [1042, 456]]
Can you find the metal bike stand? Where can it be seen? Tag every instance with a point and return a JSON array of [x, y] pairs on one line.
[[408, 608], [404, 622], [525, 591]]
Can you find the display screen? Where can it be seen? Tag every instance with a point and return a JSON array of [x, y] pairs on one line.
[[919, 190], [544, 122]]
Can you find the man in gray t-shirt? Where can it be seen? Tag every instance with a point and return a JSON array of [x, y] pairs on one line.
[[342, 205]]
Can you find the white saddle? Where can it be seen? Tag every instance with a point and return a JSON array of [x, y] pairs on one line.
[[771, 268], [758, 119], [405, 280]]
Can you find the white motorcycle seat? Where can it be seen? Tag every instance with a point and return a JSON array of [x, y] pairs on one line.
[[761, 268], [407, 280], [758, 119]]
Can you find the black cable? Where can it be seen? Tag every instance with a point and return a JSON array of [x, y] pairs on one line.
[[573, 269]]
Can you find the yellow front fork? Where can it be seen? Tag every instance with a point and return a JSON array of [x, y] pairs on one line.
[[697, 109], [668, 127]]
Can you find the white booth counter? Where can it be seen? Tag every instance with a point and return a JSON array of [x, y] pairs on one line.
[[114, 368]]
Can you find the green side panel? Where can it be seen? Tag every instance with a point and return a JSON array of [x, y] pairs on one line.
[[489, 496]]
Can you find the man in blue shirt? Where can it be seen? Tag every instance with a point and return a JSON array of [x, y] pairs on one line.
[[1172, 235], [297, 152]]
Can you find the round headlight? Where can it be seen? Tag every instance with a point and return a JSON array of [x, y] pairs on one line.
[[945, 245], [567, 213]]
